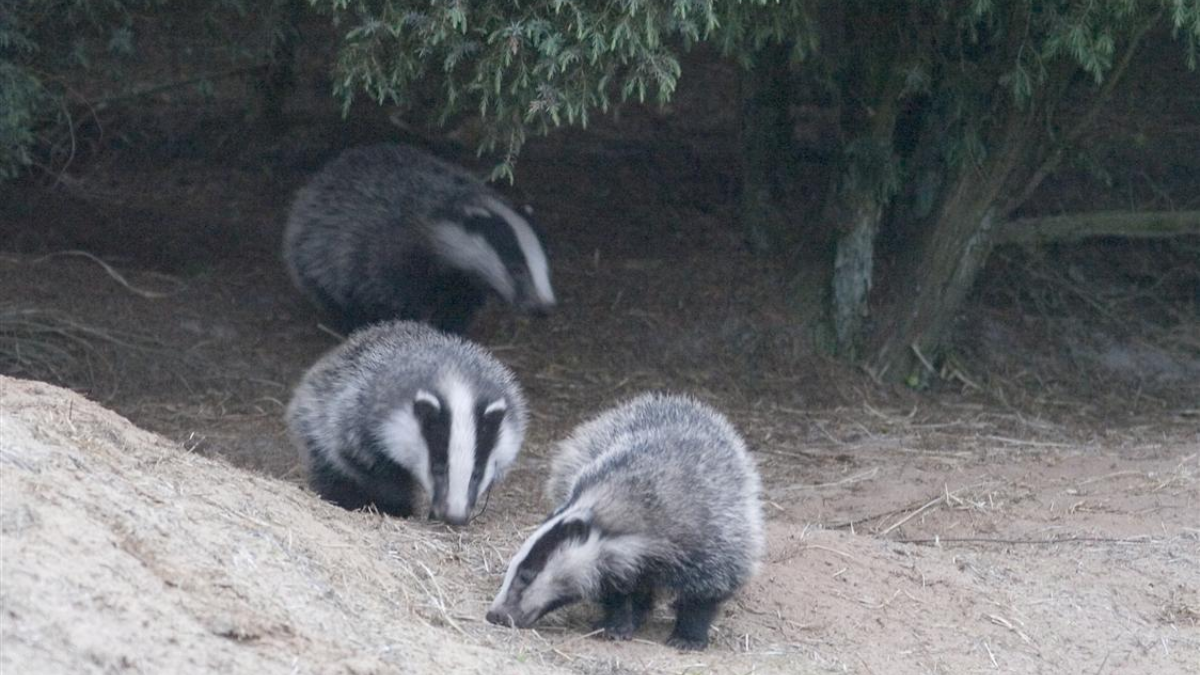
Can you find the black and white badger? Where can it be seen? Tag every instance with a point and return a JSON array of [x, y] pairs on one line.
[[655, 494], [398, 405], [388, 231]]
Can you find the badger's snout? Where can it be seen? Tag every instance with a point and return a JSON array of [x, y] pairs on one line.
[[499, 618], [503, 617], [449, 519]]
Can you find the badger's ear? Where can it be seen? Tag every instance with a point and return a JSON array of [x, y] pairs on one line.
[[495, 410], [426, 405]]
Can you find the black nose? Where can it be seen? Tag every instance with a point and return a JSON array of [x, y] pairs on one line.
[[457, 521], [498, 618]]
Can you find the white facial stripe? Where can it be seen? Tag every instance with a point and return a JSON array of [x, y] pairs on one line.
[[523, 552], [460, 399], [539, 267], [472, 253], [404, 444], [496, 406], [426, 397], [508, 443]]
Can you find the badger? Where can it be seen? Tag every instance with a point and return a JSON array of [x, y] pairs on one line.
[[400, 405], [388, 231], [656, 494]]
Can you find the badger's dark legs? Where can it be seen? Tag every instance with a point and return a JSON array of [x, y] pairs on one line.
[[624, 613], [453, 303], [387, 485], [693, 617], [390, 487], [336, 488]]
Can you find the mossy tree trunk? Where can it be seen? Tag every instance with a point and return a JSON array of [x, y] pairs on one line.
[[939, 266]]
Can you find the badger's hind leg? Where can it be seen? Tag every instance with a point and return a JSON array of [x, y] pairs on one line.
[[693, 618]]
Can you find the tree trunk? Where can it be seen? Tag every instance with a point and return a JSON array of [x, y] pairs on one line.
[[936, 272], [766, 148], [855, 212], [853, 268]]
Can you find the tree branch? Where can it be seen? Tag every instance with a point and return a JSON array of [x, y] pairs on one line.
[[1075, 227], [1085, 123]]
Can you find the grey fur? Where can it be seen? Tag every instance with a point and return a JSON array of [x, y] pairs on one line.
[[388, 231], [357, 422], [656, 493]]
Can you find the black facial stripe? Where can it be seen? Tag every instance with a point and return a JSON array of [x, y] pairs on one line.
[[487, 432], [555, 604], [499, 235], [435, 428], [553, 538]]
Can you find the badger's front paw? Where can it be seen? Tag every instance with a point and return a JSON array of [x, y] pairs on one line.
[[617, 628], [687, 644]]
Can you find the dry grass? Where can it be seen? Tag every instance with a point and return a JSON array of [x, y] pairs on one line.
[[51, 345]]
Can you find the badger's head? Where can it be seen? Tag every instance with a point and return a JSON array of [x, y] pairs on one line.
[[566, 560], [499, 248], [456, 441]]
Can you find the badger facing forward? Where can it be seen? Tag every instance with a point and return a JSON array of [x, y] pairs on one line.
[[398, 405], [388, 231], [655, 494]]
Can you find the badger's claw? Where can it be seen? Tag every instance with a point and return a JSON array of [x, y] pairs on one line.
[[687, 644], [617, 630]]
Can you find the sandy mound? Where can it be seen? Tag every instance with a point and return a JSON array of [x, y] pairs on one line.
[[123, 553]]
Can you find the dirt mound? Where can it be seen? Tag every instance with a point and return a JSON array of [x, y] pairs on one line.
[[123, 553]]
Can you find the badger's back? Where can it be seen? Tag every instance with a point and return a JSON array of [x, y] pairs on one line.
[[363, 216], [675, 473], [640, 414]]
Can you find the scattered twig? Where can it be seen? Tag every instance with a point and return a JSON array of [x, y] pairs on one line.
[[108, 269], [928, 505], [1029, 542]]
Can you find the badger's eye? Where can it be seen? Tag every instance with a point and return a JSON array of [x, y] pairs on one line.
[[526, 575]]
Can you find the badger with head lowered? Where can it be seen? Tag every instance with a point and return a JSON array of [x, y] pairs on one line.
[[388, 231], [657, 494], [401, 407]]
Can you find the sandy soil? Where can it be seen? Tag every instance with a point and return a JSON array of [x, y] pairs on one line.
[[124, 552]]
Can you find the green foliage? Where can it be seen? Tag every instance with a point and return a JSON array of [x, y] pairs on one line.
[[521, 66], [37, 39], [63, 59], [530, 66]]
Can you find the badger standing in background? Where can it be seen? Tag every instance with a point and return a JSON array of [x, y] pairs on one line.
[[655, 494], [388, 231], [398, 405]]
